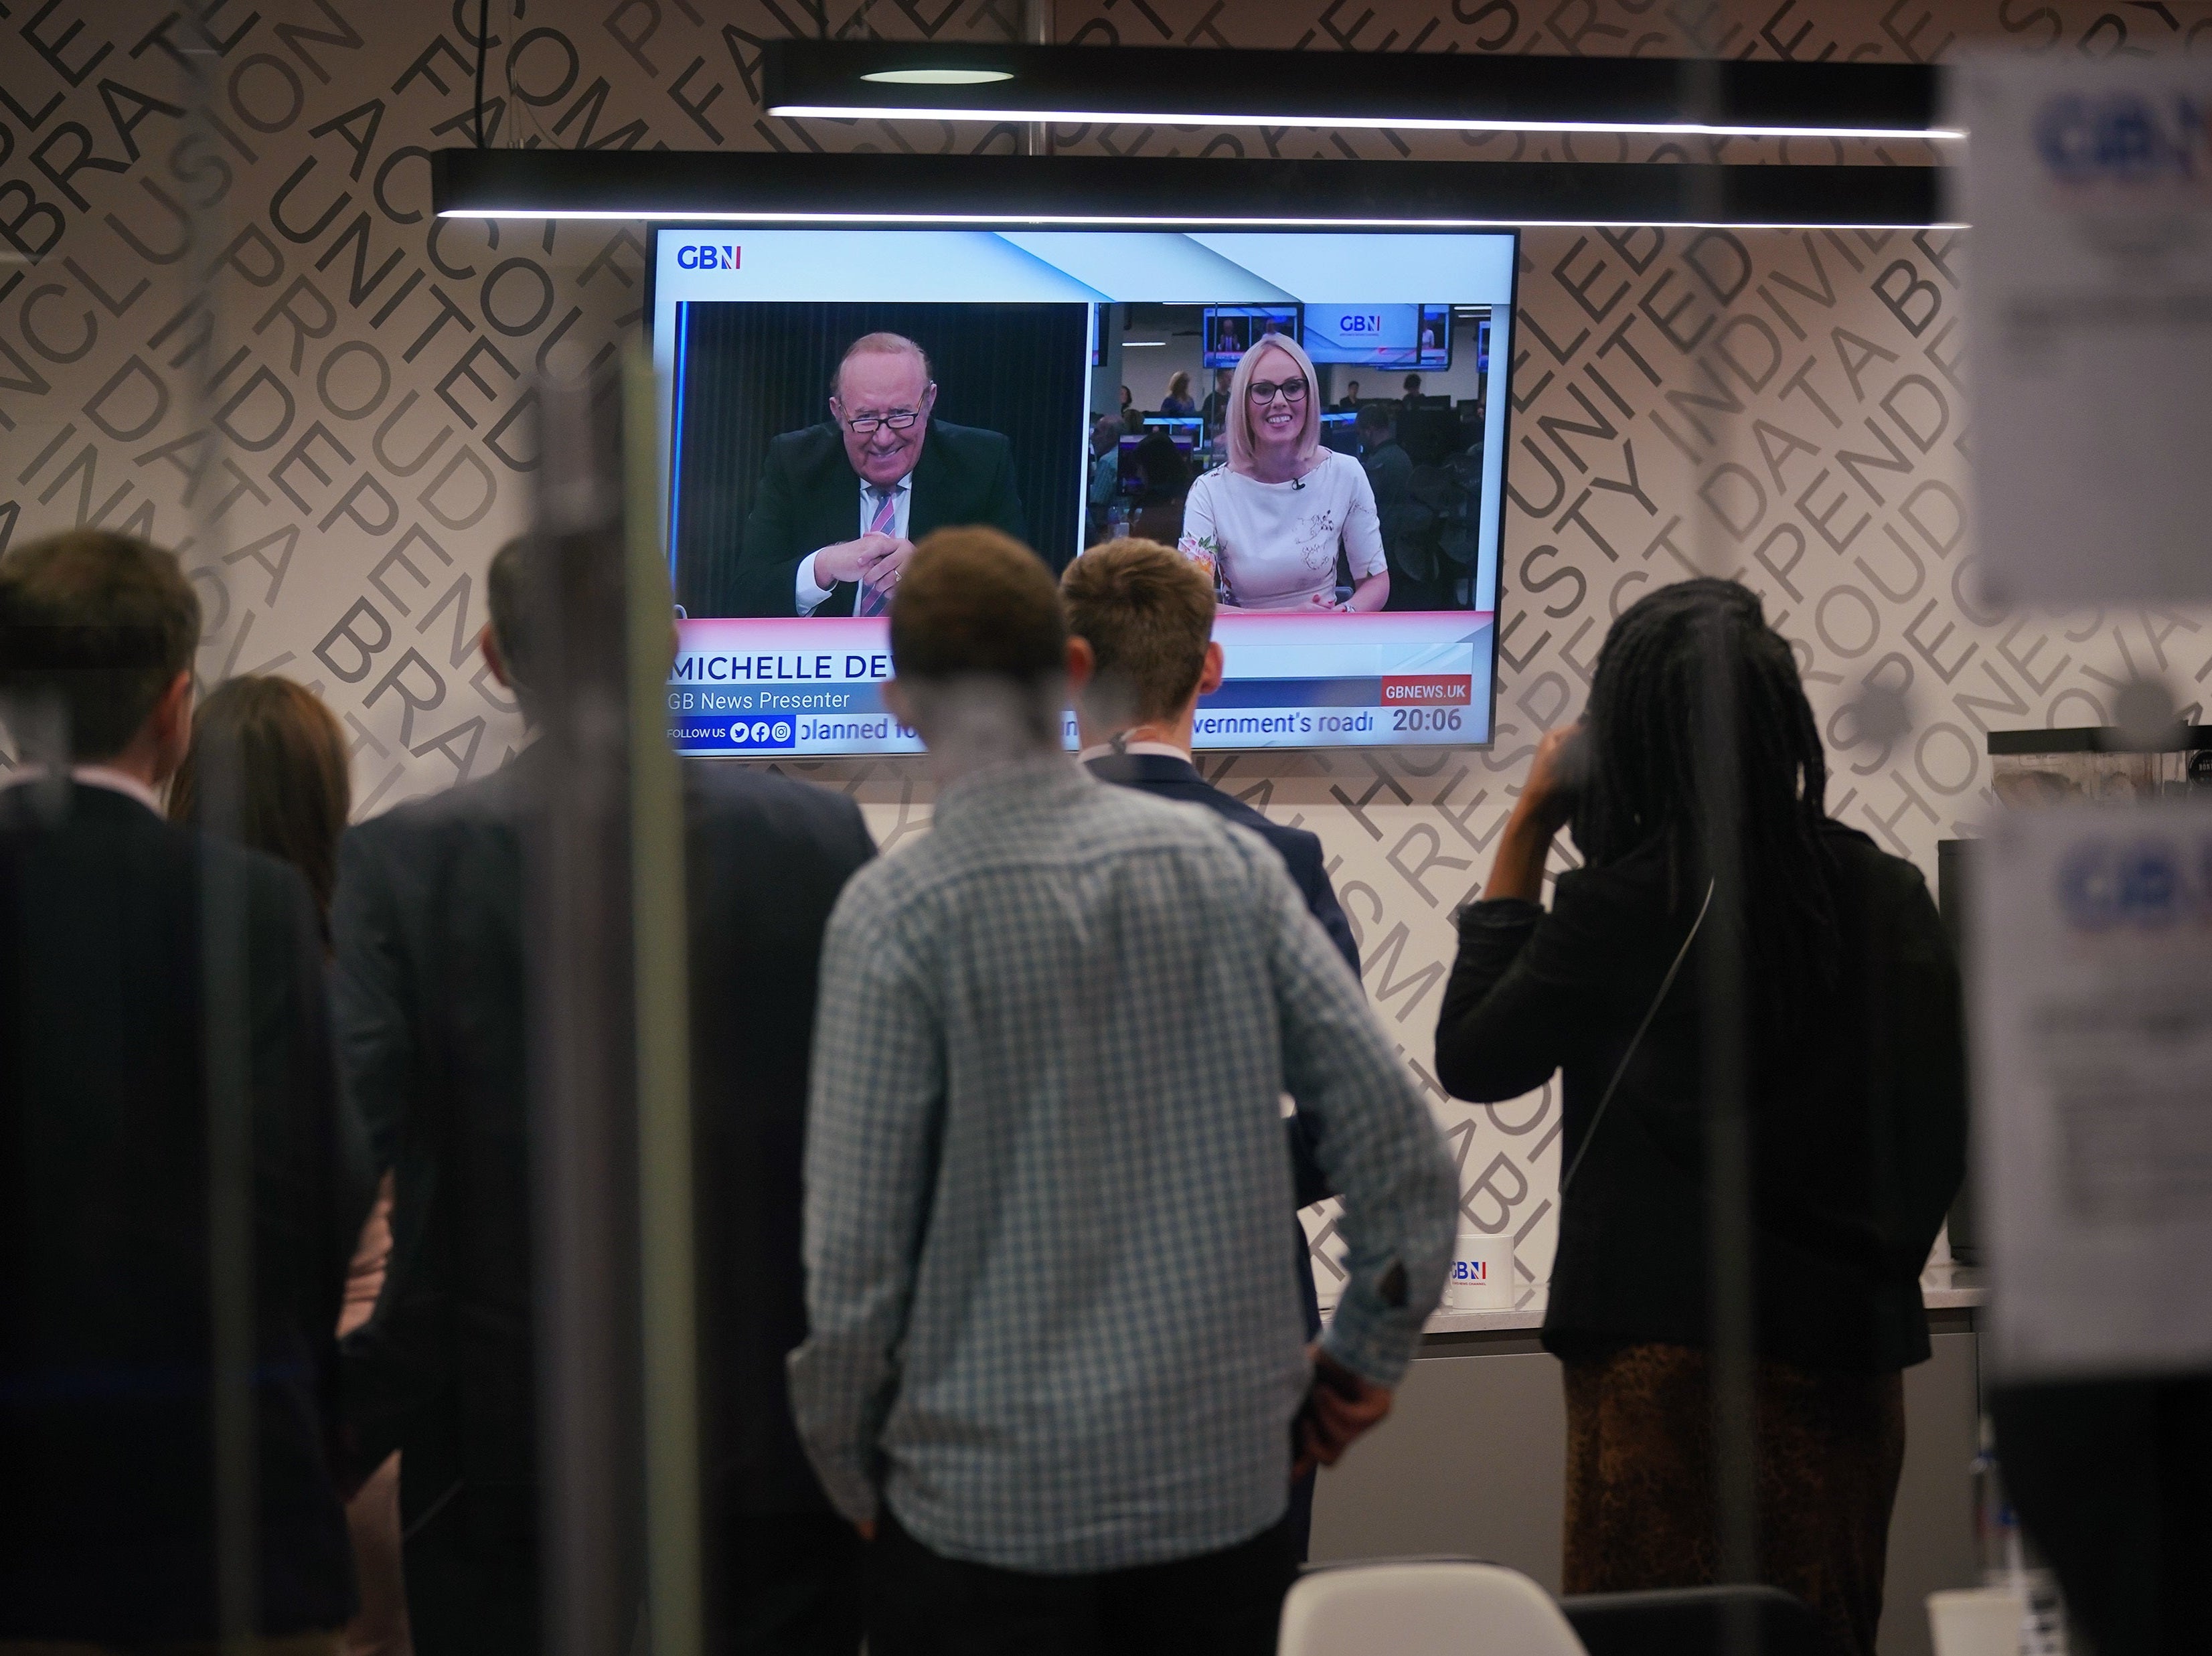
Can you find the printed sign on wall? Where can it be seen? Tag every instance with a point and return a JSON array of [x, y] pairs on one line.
[[2089, 322], [2092, 1067]]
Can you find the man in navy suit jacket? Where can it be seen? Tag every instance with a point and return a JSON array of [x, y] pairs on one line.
[[431, 930], [1147, 615]]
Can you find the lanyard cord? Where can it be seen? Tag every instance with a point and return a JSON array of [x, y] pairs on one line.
[[1636, 1040]]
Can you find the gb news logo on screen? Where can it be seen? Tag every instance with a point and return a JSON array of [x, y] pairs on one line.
[[709, 256]]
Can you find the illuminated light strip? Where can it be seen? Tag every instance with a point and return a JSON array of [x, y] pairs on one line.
[[937, 76], [709, 188], [1372, 123], [696, 215]]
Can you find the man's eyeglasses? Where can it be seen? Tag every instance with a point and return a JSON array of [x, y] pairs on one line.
[[1263, 391], [899, 419]]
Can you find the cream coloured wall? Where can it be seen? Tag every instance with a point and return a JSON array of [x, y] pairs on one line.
[[340, 439]]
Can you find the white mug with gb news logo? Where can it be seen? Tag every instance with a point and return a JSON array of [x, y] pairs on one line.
[[1481, 1277]]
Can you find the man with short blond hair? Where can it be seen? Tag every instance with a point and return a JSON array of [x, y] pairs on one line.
[[1147, 613], [1055, 1365], [840, 506]]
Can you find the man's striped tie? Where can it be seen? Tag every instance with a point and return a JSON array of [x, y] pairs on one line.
[[874, 600]]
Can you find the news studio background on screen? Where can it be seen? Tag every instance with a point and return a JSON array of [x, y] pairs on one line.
[[1081, 388]]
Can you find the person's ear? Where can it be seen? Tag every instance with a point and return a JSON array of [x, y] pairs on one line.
[[1210, 674], [928, 398], [488, 642], [1082, 663], [898, 704], [170, 725]]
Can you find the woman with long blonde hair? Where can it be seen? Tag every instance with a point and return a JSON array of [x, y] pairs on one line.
[[1272, 520]]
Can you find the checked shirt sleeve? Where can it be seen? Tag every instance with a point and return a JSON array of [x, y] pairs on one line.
[[1375, 1139], [872, 1122]]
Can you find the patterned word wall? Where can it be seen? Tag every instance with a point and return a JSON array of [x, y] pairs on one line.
[[325, 400]]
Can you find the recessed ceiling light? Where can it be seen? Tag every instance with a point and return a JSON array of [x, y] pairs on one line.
[[937, 76]]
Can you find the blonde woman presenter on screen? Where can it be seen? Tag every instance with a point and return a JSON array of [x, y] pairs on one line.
[[1272, 520]]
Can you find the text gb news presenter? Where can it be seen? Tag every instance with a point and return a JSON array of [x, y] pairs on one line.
[[841, 505]]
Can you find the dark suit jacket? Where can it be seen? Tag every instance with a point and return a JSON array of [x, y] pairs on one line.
[[808, 497], [428, 929], [1178, 779], [106, 1453]]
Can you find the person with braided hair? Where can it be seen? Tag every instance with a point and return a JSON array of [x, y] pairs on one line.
[[1695, 788]]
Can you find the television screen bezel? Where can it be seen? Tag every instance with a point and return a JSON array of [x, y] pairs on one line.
[[1510, 306]]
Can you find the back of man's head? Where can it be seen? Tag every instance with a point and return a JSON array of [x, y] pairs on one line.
[[507, 595], [978, 644], [1147, 613], [1374, 422], [97, 626], [976, 603]]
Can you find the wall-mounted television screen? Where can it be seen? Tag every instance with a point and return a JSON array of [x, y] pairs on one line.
[[832, 395], [1230, 330], [1379, 336]]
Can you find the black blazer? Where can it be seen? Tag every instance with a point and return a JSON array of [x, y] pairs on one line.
[[1858, 1126], [106, 1453], [1178, 779], [808, 497], [428, 930]]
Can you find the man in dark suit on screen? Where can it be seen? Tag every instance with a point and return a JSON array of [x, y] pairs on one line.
[[841, 505], [431, 994], [1148, 615]]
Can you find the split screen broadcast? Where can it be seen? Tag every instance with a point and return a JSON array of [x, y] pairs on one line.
[[1315, 419]]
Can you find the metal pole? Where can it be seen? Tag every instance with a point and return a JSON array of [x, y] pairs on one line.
[[1732, 1351], [578, 940], [1037, 30], [667, 1291], [1729, 1238], [225, 1013]]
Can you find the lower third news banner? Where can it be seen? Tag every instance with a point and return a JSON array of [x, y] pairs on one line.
[[813, 689]]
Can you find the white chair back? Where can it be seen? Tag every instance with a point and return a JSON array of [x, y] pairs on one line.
[[1441, 1608]]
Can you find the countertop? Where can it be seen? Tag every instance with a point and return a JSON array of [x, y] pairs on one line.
[[1943, 1287]]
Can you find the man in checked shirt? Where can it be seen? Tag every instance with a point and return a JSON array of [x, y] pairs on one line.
[[1056, 1368]]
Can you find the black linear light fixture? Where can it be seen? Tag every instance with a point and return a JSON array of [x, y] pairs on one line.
[[1460, 91], [1167, 193]]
